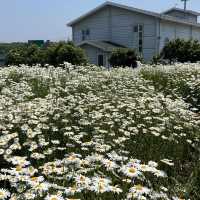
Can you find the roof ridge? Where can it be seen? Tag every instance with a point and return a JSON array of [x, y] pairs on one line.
[[133, 9], [180, 9]]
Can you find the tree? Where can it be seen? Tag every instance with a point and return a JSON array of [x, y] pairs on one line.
[[123, 57], [55, 54], [182, 51], [15, 57]]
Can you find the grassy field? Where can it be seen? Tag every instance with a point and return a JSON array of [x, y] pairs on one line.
[[91, 134]]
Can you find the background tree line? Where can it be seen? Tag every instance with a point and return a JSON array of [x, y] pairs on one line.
[[54, 54], [178, 50]]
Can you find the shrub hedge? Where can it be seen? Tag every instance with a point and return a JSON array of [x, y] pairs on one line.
[[181, 50], [123, 57], [55, 54]]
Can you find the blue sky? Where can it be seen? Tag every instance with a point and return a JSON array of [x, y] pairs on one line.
[[21, 20]]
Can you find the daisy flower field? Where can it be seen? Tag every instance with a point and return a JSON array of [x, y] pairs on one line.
[[87, 133]]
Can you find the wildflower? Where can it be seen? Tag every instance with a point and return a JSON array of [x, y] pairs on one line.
[[54, 197], [100, 185], [130, 171], [168, 162], [82, 181], [4, 194], [110, 165], [139, 190]]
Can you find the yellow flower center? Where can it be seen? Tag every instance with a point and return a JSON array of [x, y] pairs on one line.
[[34, 178], [101, 186], [72, 157], [18, 168], [139, 187], [82, 178], [54, 198], [143, 166], [1, 194], [132, 170]]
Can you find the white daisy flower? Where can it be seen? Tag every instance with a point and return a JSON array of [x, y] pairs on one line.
[[4, 194]]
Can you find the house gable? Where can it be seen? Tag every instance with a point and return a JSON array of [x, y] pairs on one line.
[[188, 15], [119, 24]]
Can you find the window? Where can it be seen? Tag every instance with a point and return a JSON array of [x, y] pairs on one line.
[[100, 60], [136, 29], [85, 34], [139, 29]]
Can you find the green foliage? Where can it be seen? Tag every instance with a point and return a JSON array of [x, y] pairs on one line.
[[6, 47], [123, 57], [55, 54], [182, 51], [156, 59], [58, 53]]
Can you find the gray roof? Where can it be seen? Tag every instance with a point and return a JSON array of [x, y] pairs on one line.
[[161, 16], [104, 45], [181, 10]]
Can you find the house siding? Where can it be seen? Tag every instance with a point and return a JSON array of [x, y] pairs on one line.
[[92, 54], [196, 33], [115, 24], [174, 30], [123, 23], [97, 23], [181, 15]]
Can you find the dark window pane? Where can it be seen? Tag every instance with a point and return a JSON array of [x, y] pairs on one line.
[[140, 27], [135, 29], [100, 60], [140, 42], [83, 34], [140, 34], [88, 32]]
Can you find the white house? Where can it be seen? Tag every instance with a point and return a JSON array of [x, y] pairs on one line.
[[113, 25]]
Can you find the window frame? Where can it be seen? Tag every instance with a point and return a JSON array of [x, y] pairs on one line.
[[85, 34], [139, 30]]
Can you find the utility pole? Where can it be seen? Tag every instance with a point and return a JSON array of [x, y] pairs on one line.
[[185, 4], [185, 7]]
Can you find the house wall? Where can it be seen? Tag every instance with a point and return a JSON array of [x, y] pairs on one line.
[[98, 25], [171, 31], [117, 25], [182, 15], [123, 22], [196, 33], [92, 54]]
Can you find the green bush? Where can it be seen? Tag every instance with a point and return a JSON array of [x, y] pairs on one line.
[[55, 54], [182, 51], [61, 52], [123, 57]]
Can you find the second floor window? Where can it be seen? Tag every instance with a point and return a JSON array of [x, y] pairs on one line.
[[85, 34], [139, 29]]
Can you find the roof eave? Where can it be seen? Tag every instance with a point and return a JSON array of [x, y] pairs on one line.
[[87, 14], [181, 10], [92, 44], [169, 18], [108, 3], [153, 14]]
